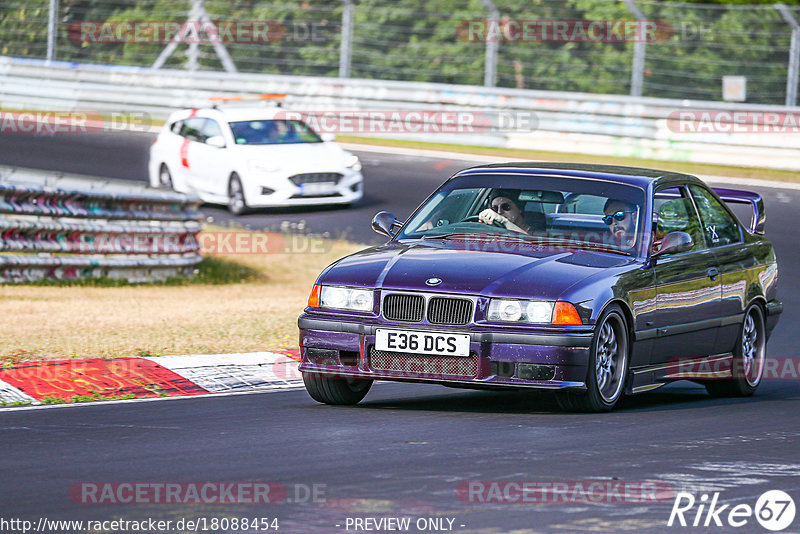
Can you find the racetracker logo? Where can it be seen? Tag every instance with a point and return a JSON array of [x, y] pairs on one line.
[[172, 493], [549, 241], [774, 510], [413, 121], [191, 31], [563, 491], [48, 123], [564, 31], [234, 243], [786, 368], [727, 122]]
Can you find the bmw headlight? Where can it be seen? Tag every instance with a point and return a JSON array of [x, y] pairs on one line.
[[525, 311], [532, 311], [346, 298], [353, 163]]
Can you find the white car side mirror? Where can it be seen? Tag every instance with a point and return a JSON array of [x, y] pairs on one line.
[[216, 141], [327, 137]]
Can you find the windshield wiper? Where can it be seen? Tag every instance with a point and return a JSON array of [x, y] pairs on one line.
[[449, 235], [584, 245]]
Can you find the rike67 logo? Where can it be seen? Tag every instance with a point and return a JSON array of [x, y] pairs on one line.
[[774, 510]]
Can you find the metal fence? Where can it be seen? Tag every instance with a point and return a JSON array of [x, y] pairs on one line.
[[55, 227], [474, 42]]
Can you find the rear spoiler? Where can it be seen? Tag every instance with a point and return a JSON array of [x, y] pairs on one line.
[[746, 197]]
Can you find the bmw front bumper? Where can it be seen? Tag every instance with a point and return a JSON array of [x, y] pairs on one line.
[[499, 358]]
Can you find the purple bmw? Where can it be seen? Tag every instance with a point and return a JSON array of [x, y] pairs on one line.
[[590, 280]]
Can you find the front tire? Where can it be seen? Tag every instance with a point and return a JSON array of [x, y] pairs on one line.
[[335, 389], [748, 358], [237, 204], [607, 368]]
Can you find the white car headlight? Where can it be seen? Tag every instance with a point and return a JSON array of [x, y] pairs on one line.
[[525, 311], [353, 163], [346, 298], [263, 166]]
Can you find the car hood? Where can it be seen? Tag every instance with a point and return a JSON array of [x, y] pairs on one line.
[[298, 157], [514, 271]]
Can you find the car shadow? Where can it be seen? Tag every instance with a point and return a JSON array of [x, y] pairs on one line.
[[282, 210], [670, 398]]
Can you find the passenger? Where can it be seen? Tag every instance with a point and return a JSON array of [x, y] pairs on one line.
[[506, 210], [620, 216]]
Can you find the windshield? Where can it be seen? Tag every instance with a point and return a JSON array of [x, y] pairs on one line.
[[563, 212], [273, 132]]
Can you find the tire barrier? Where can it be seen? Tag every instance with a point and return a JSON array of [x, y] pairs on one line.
[[73, 227]]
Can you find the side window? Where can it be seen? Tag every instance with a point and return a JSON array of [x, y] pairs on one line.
[[675, 213], [192, 129], [719, 226], [211, 129], [175, 127]]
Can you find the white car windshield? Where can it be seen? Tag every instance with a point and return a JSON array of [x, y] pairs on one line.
[[272, 132]]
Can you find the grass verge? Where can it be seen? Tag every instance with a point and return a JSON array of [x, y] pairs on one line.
[[507, 153], [235, 303]]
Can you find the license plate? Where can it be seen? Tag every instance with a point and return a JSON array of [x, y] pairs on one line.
[[435, 343], [317, 188]]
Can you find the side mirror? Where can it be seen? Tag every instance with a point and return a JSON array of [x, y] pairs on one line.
[[328, 137], [384, 222], [674, 243], [217, 141]]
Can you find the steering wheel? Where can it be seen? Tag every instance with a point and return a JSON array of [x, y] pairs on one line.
[[476, 218]]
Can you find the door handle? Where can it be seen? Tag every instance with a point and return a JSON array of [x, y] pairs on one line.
[[713, 273]]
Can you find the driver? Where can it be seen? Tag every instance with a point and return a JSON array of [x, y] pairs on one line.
[[505, 210], [620, 217]]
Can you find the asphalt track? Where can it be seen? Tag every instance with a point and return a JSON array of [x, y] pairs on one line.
[[404, 451]]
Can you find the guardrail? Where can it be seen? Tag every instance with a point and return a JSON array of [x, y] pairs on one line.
[[566, 122], [72, 227]]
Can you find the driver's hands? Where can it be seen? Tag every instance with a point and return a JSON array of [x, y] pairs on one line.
[[489, 216]]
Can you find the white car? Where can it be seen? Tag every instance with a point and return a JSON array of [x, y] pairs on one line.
[[252, 158]]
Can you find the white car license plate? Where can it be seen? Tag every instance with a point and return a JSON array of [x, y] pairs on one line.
[[318, 188], [422, 342]]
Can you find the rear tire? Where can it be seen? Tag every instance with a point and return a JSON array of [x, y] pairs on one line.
[[748, 358], [237, 204], [335, 389], [607, 368]]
